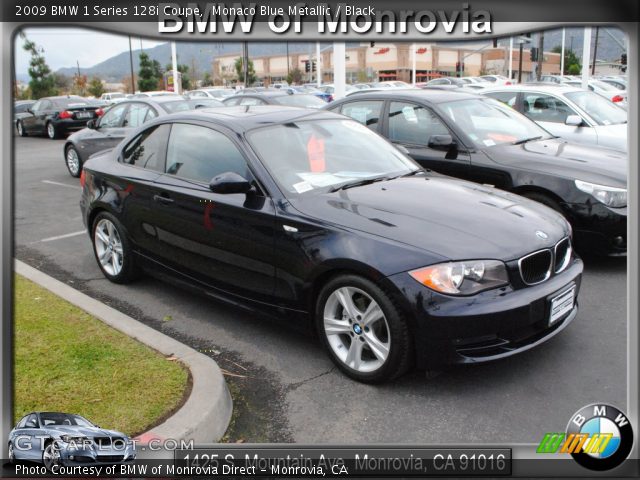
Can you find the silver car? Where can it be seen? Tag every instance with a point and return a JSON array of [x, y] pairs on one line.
[[572, 113], [54, 439]]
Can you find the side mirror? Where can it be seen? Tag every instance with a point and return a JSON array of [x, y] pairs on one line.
[[92, 124], [440, 141], [573, 120], [230, 182]]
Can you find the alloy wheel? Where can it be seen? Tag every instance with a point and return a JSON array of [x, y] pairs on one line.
[[356, 329], [51, 456], [20, 129], [108, 246], [73, 161], [51, 130], [12, 455]]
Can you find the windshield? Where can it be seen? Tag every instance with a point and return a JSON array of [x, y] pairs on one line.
[[488, 122], [311, 156], [601, 110], [300, 100], [64, 419]]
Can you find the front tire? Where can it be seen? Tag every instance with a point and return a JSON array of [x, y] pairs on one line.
[[73, 161], [363, 330], [20, 127], [50, 456], [52, 131], [12, 454], [112, 249]]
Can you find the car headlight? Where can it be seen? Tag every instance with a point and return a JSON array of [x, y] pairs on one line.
[[610, 196], [463, 278]]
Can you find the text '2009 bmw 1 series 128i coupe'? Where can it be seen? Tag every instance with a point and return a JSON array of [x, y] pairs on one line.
[[310, 214]]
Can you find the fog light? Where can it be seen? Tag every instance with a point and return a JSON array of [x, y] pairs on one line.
[[72, 458]]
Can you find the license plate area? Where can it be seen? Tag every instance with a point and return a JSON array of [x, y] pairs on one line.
[[84, 114], [562, 304]]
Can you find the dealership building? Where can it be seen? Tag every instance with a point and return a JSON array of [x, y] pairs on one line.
[[392, 61]]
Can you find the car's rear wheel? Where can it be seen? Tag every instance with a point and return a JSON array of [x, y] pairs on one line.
[[21, 131], [52, 131], [113, 249], [74, 164], [363, 330], [50, 456]]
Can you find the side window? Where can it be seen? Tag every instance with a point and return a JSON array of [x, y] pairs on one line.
[[232, 101], [366, 112], [147, 149], [413, 124], [199, 153], [46, 105], [36, 106], [508, 98], [22, 422], [198, 94], [250, 101], [545, 108], [136, 115], [113, 117]]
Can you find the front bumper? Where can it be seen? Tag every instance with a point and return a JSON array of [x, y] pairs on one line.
[[96, 455], [488, 326], [598, 228]]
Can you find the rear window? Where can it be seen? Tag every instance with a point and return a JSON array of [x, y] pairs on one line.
[[71, 102], [177, 106]]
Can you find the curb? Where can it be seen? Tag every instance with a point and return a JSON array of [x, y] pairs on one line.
[[205, 415]]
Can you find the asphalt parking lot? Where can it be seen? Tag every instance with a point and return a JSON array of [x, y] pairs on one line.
[[287, 387]]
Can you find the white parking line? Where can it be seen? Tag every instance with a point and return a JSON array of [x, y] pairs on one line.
[[51, 182], [59, 237]]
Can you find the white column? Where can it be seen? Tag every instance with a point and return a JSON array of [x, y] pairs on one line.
[[562, 55], [586, 53], [413, 64], [174, 65], [339, 69], [318, 67], [510, 58]]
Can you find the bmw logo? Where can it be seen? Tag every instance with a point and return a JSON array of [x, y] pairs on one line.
[[541, 234], [610, 427], [357, 328]]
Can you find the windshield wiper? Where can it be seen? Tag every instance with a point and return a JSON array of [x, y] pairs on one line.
[[525, 140], [358, 183]]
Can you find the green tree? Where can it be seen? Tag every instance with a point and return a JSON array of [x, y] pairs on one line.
[[42, 83], [251, 73], [147, 74], [95, 87], [295, 76], [206, 80], [572, 65]]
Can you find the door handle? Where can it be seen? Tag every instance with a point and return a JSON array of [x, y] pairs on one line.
[[163, 199]]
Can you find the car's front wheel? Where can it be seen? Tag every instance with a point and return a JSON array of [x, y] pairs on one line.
[[73, 161], [113, 249], [21, 131], [51, 456], [363, 330], [12, 454]]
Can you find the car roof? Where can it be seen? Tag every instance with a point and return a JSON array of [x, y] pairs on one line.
[[430, 95], [544, 88], [245, 118]]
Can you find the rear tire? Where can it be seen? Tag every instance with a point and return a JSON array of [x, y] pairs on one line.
[[73, 161], [112, 249], [363, 330], [52, 131]]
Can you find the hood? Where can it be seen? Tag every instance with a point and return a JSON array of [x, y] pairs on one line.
[[569, 160], [448, 217], [84, 431], [84, 134]]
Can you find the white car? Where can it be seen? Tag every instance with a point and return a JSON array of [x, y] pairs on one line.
[[496, 79], [155, 93], [604, 90], [113, 97], [572, 113], [217, 93]]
